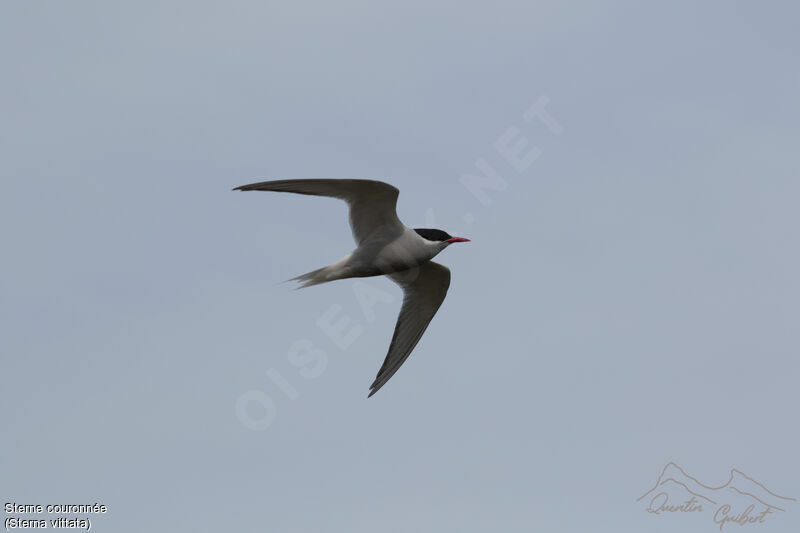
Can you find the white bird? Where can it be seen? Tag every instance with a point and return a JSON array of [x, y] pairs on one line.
[[385, 247]]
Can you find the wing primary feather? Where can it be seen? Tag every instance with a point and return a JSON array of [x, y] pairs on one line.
[[373, 204], [424, 294]]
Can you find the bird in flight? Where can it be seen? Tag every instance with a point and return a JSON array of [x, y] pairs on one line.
[[384, 247]]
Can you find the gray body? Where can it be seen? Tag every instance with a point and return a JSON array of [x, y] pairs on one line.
[[381, 255]]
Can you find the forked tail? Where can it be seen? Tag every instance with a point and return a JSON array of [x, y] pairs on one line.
[[315, 277], [338, 270]]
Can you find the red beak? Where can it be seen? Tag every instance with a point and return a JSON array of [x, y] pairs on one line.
[[458, 239]]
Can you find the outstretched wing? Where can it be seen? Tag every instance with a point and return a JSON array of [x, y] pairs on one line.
[[425, 288], [372, 203]]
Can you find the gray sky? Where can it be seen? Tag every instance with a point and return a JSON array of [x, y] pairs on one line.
[[630, 297]]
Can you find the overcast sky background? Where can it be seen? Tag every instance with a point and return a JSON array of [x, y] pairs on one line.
[[630, 298]]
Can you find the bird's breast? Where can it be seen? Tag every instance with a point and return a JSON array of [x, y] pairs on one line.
[[406, 251]]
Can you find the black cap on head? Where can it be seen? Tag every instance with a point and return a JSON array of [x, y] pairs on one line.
[[433, 234]]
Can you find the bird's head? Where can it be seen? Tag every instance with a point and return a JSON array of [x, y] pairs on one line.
[[437, 236]]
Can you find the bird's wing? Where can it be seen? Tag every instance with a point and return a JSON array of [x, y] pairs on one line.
[[372, 203], [425, 288]]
